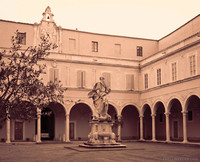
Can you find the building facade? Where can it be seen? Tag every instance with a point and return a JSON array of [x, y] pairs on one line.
[[155, 83]]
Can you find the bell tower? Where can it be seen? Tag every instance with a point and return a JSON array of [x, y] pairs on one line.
[[48, 15]]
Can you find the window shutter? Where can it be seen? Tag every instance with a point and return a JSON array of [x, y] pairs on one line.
[[83, 78], [51, 74], [107, 78], [56, 75], [78, 78], [129, 82]]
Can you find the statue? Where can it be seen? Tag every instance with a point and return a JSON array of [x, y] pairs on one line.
[[101, 135], [98, 94]]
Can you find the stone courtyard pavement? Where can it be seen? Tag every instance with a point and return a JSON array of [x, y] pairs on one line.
[[135, 151]]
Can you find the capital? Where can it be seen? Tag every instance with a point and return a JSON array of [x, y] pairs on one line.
[[153, 115], [184, 112], [167, 113]]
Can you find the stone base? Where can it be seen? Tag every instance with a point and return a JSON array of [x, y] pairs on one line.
[[89, 145], [101, 136]]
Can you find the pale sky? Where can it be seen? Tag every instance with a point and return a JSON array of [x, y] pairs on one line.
[[152, 19]]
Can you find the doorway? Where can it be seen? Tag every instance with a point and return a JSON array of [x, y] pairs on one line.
[[18, 130], [175, 129], [47, 124]]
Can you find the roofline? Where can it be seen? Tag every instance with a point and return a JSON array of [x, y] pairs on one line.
[[179, 27], [84, 31]]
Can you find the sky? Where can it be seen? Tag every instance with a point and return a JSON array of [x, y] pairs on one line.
[[151, 19]]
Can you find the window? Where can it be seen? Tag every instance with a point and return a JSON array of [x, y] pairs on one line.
[[174, 72], [189, 115], [158, 76], [117, 49], [53, 74], [192, 65], [146, 81], [72, 44], [94, 46], [139, 51], [81, 79], [130, 82], [107, 78], [21, 38]]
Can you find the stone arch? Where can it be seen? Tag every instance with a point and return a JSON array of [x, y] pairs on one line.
[[115, 106], [154, 108], [187, 99], [84, 102], [144, 108], [53, 127], [131, 104], [170, 100], [79, 116], [130, 122]]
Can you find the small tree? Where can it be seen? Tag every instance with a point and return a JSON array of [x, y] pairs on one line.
[[22, 89]]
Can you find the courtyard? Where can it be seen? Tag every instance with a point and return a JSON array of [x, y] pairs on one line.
[[64, 152]]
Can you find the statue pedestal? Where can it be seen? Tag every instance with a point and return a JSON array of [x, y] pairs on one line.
[[101, 136]]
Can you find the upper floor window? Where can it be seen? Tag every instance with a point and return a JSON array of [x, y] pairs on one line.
[[145, 81], [72, 44], [117, 49], [81, 79], [192, 65], [53, 74], [130, 82], [139, 51], [94, 46], [174, 72], [107, 78], [158, 76], [21, 38]]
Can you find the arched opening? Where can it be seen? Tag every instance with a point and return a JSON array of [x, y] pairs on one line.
[[131, 125], [80, 115], [147, 122], [160, 121], [47, 124], [52, 122], [193, 118], [176, 120], [112, 112]]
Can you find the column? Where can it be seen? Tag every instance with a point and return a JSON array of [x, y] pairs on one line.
[[167, 127], [184, 126], [153, 127], [67, 128], [38, 138], [8, 128], [141, 128], [119, 117]]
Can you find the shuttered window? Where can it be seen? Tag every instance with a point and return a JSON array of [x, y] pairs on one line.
[[81, 79], [130, 82], [53, 74], [107, 78]]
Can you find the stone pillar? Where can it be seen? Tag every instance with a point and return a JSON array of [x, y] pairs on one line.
[[119, 128], [153, 127], [167, 127], [8, 128], [184, 126], [67, 128], [38, 139], [141, 128]]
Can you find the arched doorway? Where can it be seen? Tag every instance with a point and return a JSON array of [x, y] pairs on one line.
[[47, 124], [80, 115], [160, 121], [176, 120], [130, 126], [147, 123], [112, 112], [53, 122], [193, 118]]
